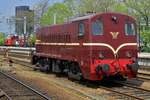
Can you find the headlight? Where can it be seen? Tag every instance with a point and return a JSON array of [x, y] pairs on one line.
[[101, 55], [128, 54], [106, 67], [114, 19]]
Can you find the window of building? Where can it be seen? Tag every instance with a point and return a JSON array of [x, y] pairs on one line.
[[97, 27], [129, 29], [81, 29]]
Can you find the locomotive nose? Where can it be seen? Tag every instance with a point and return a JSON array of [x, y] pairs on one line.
[[105, 68], [108, 69]]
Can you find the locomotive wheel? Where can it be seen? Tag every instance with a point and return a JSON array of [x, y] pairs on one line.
[[56, 66], [37, 66], [43, 65], [74, 72]]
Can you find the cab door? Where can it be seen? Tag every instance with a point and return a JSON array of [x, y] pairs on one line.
[[81, 32], [84, 52]]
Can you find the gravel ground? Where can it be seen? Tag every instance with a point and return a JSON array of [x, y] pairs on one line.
[[59, 88]]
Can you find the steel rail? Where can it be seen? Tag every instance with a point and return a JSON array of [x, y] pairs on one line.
[[143, 78], [8, 97], [127, 84], [121, 93], [35, 91], [131, 86]]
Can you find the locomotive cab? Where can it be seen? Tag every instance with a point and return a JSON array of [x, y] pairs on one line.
[[113, 45]]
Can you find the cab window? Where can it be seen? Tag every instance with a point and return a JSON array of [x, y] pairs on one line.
[[129, 29], [81, 29], [97, 27]]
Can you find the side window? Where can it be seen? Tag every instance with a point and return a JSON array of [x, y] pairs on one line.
[[81, 29], [129, 29], [97, 27]]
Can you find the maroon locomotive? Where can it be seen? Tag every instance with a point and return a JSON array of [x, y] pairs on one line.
[[91, 47]]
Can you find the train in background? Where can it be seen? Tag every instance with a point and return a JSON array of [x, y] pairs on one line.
[[14, 40], [93, 47]]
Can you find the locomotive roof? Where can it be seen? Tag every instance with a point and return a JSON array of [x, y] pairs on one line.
[[94, 14], [89, 16], [83, 17]]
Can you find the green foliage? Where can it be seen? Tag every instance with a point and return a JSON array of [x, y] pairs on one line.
[[2, 38], [60, 10], [83, 6], [31, 40], [120, 7], [73, 5], [140, 9], [146, 40]]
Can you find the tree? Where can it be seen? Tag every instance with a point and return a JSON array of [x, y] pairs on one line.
[[146, 40], [59, 10], [40, 8], [120, 7], [2, 38], [31, 40], [73, 5], [140, 8], [84, 6]]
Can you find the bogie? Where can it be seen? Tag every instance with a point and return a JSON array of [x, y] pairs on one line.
[[72, 69]]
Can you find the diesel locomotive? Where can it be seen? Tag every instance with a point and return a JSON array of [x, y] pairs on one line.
[[92, 47]]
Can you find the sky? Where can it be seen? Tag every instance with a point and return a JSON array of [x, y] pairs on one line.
[[7, 9]]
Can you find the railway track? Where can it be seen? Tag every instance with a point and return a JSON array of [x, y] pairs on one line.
[[144, 73], [127, 91], [146, 68], [4, 96], [13, 89], [144, 77], [123, 91], [120, 92]]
